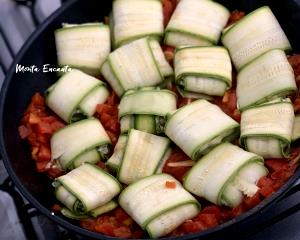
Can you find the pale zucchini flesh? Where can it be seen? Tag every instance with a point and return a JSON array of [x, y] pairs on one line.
[[142, 161], [115, 160], [89, 185], [148, 199], [208, 27], [91, 156], [70, 142], [136, 19], [267, 77], [83, 46], [254, 35], [267, 129], [296, 128], [199, 126]]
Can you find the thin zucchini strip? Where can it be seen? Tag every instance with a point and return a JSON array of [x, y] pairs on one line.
[[114, 162], [267, 77], [157, 208], [140, 63], [83, 46], [74, 144], [204, 70], [199, 126], [145, 109], [143, 155], [197, 23], [225, 175], [80, 101], [134, 19], [86, 188], [296, 128], [253, 35], [267, 129]]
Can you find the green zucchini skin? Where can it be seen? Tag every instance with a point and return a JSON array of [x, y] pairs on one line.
[[189, 29], [267, 129], [84, 93], [253, 35], [83, 46], [149, 202], [267, 77], [194, 73], [70, 144], [199, 126], [216, 175], [135, 20], [86, 188]]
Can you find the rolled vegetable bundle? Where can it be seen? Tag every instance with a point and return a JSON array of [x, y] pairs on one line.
[[133, 19], [267, 129], [159, 204], [199, 126], [296, 128], [140, 63], [225, 175], [86, 190], [205, 70], [84, 141], [253, 35], [144, 155], [145, 109], [267, 77], [83, 46], [80, 101], [197, 23]]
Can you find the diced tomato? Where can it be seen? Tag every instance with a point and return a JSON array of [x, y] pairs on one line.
[[215, 210], [88, 224], [167, 10], [122, 232], [41, 166], [56, 208], [277, 164], [24, 131], [250, 202], [266, 186], [235, 16], [105, 228], [170, 184]]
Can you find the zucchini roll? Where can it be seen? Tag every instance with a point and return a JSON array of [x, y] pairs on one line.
[[253, 35], [267, 129], [86, 191], [83, 46], [296, 128], [159, 204], [134, 19], [114, 162], [81, 98], [84, 141], [204, 70], [196, 23], [267, 77], [225, 175], [140, 63], [199, 126], [144, 154], [145, 109]]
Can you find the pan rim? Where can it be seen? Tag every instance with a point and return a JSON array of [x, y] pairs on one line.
[[264, 205]]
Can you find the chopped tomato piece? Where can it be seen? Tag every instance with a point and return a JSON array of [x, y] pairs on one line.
[[168, 9], [235, 16], [24, 131], [170, 184]]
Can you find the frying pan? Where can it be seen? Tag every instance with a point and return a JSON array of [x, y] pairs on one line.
[[18, 89]]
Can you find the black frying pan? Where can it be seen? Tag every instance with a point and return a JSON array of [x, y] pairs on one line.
[[19, 88]]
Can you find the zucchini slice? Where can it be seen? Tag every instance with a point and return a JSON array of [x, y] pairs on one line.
[[157, 208], [145, 109], [197, 23], [204, 70], [74, 144], [83, 46], [267, 129], [296, 128], [80, 101], [86, 188], [199, 126], [134, 19], [253, 35], [267, 77], [143, 155], [225, 174], [135, 65], [114, 162]]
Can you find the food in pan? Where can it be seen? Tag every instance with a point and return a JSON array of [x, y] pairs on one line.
[[136, 150]]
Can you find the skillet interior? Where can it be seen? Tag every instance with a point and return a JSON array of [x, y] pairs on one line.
[[40, 49]]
